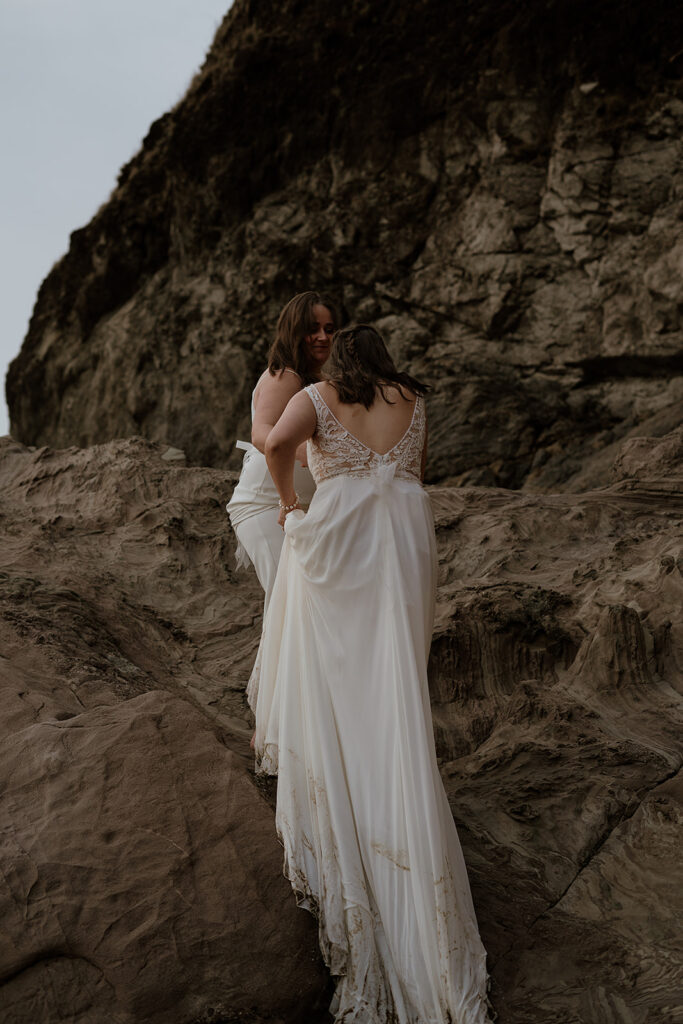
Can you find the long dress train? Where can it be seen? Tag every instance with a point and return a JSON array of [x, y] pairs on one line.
[[343, 717]]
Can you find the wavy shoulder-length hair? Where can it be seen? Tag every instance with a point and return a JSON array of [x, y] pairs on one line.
[[360, 364], [295, 323]]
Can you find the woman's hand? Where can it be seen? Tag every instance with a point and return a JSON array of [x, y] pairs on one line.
[[286, 507], [282, 515], [295, 426]]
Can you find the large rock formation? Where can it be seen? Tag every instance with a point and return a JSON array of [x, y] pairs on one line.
[[141, 874], [557, 686], [497, 186]]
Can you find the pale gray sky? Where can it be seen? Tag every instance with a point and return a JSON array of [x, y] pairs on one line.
[[80, 83]]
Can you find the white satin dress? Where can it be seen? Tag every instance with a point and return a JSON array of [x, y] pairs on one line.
[[343, 718]]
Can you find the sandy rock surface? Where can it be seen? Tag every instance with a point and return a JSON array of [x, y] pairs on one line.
[[497, 186], [557, 686], [141, 877]]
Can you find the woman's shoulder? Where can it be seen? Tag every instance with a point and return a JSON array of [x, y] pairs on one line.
[[281, 374], [279, 380]]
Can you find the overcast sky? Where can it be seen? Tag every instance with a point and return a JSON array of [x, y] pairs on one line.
[[80, 83]]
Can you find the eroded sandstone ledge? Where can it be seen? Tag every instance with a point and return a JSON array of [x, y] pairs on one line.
[[141, 874]]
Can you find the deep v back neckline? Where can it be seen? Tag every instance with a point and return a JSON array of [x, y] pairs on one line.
[[380, 455]]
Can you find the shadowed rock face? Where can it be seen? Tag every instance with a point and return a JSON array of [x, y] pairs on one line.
[[141, 873], [557, 686], [497, 186]]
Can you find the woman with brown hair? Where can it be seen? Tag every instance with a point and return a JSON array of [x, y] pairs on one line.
[[343, 714], [301, 347]]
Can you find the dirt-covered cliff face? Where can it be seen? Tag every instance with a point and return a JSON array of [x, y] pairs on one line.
[[499, 187]]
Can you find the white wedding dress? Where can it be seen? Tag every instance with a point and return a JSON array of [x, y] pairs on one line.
[[343, 718]]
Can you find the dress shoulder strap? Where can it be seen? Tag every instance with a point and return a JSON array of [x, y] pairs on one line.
[[420, 421], [288, 369], [317, 399]]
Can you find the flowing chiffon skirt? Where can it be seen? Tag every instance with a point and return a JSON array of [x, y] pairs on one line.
[[343, 717]]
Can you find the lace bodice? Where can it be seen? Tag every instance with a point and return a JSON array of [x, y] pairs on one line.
[[333, 451]]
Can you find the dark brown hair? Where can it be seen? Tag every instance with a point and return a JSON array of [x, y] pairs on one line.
[[295, 322], [360, 364]]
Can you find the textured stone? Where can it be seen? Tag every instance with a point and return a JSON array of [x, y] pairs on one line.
[[141, 874], [497, 187], [557, 685]]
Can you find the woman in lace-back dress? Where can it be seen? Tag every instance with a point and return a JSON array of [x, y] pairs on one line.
[[343, 714]]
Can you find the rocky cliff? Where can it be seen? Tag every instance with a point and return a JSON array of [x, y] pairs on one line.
[[497, 186], [141, 875]]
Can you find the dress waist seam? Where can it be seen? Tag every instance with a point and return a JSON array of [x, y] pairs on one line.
[[399, 477]]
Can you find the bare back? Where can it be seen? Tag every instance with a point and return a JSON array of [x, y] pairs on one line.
[[381, 426]]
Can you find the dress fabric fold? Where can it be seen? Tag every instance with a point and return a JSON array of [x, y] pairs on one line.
[[343, 718]]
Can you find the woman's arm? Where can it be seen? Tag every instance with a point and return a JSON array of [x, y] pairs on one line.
[[296, 424], [273, 394]]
